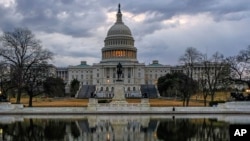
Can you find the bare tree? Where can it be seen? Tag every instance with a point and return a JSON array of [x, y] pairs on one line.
[[204, 88], [33, 83], [20, 49], [240, 67], [189, 59], [214, 72]]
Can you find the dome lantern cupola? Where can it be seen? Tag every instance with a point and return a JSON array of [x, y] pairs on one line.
[[119, 43], [119, 15], [119, 27]]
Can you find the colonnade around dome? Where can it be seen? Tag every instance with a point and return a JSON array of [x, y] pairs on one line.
[[126, 42]]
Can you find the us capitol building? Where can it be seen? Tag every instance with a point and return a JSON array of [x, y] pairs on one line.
[[119, 47]]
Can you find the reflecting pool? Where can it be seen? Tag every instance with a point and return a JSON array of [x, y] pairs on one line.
[[118, 127]]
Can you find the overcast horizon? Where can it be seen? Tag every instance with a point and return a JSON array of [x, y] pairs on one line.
[[74, 30]]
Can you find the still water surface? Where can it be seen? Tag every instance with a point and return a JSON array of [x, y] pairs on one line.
[[118, 128]]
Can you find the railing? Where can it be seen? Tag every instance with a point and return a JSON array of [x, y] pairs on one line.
[[113, 105], [133, 94], [104, 94], [110, 94]]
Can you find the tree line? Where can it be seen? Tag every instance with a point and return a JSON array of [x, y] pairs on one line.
[[205, 74]]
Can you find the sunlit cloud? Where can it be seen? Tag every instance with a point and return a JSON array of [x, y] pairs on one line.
[[7, 3]]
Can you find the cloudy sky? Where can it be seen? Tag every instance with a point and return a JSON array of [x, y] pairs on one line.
[[75, 29]]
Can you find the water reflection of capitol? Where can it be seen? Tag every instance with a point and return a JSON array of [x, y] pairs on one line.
[[117, 128]]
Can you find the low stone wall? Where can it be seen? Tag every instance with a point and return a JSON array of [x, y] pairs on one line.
[[235, 104], [126, 108], [118, 105], [9, 106]]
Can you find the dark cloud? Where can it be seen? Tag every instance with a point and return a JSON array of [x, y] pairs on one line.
[[75, 18], [170, 8], [84, 16], [224, 27]]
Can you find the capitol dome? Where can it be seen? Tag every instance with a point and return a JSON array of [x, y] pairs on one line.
[[119, 28], [119, 43]]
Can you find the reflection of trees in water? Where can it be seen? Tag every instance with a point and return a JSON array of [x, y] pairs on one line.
[[23, 131], [176, 130], [193, 129], [17, 131], [54, 130], [34, 131], [213, 130], [38, 130]]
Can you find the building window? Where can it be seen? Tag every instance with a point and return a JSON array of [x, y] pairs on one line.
[[107, 72], [97, 75], [129, 72]]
